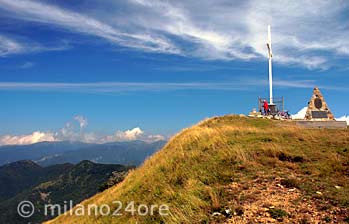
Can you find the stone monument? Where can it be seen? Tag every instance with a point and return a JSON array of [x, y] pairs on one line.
[[317, 108], [318, 115]]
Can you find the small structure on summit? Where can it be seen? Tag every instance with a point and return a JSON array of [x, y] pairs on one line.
[[318, 114], [318, 108]]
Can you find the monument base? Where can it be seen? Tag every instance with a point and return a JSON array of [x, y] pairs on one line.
[[323, 124]]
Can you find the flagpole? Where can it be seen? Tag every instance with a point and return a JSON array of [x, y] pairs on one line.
[[270, 67], [270, 82]]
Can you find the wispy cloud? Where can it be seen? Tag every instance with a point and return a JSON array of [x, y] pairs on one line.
[[9, 46], [12, 46], [117, 87], [27, 65], [120, 86], [76, 22], [305, 34], [196, 67], [228, 31], [82, 121]]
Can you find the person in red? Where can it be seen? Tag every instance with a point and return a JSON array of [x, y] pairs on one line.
[[265, 107]]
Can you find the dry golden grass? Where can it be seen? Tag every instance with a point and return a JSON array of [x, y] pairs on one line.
[[190, 172]]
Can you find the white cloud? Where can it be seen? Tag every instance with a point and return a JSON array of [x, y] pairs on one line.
[[34, 137], [73, 130], [303, 32], [128, 135], [344, 118], [69, 132], [82, 121], [300, 114], [132, 134]]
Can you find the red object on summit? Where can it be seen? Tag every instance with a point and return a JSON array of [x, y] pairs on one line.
[[265, 105]]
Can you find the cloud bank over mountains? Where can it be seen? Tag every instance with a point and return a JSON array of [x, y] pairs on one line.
[[74, 131], [34, 137], [303, 31]]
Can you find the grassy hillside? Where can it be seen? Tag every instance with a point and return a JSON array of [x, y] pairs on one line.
[[239, 169]]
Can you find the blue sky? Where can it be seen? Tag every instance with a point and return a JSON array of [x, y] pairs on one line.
[[121, 70]]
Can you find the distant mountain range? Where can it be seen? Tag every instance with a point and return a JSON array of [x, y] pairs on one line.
[[57, 184], [45, 172], [50, 153]]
